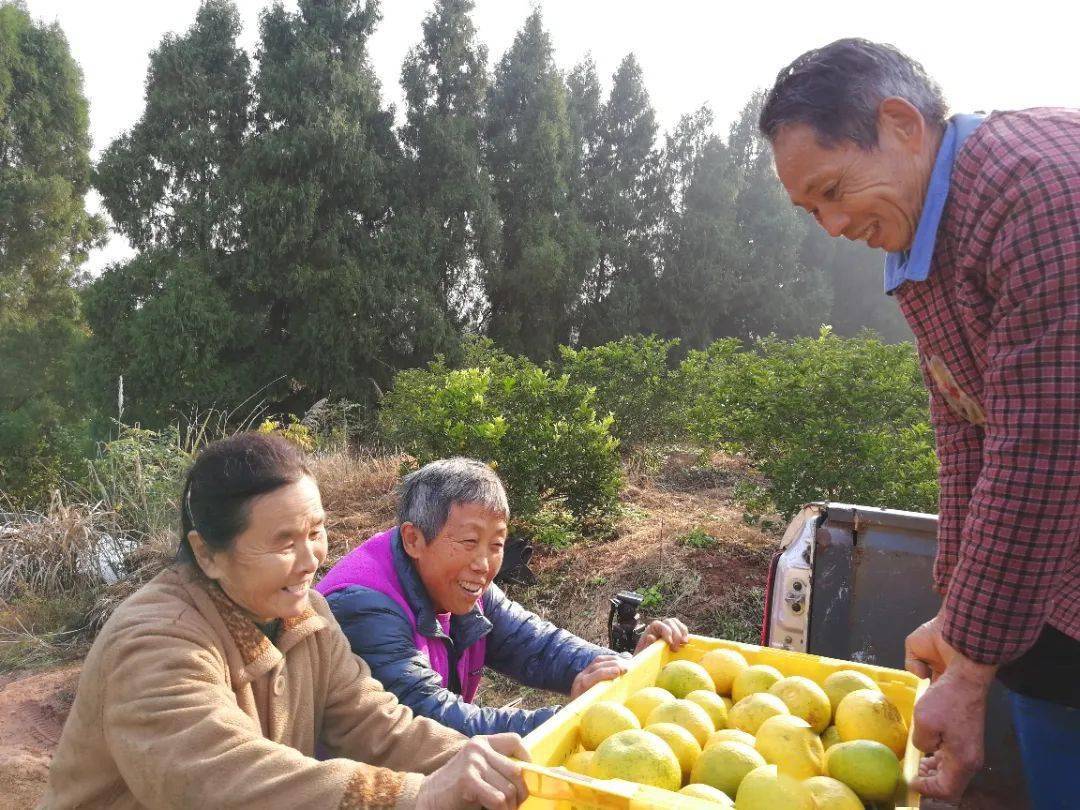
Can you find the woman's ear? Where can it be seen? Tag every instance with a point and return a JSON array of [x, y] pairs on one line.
[[203, 556], [412, 539]]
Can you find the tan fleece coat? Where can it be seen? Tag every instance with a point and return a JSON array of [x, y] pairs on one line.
[[184, 703]]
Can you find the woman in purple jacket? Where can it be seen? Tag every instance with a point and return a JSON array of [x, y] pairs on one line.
[[419, 605]]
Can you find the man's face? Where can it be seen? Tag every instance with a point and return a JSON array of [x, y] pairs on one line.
[[874, 196]]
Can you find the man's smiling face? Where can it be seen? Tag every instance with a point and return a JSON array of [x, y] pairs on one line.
[[874, 195]]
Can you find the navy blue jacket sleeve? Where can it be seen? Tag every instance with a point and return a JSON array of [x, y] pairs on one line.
[[530, 650], [379, 632]]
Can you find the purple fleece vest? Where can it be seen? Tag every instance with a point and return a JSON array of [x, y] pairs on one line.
[[371, 565]]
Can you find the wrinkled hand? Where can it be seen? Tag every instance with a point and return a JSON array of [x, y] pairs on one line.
[[950, 717], [480, 775], [672, 631], [602, 668]]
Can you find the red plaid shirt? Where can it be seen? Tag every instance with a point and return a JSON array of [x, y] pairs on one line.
[[998, 328]]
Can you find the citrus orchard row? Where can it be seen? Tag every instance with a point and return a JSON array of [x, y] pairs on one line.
[[746, 736]]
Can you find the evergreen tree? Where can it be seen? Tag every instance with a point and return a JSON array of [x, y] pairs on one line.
[[167, 320], [447, 227], [45, 234], [623, 206], [774, 291], [546, 249], [702, 249]]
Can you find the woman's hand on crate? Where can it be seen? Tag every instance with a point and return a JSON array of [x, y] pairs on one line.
[[481, 774], [950, 717], [672, 631]]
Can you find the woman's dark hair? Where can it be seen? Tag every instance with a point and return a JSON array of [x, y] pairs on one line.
[[836, 90], [225, 478]]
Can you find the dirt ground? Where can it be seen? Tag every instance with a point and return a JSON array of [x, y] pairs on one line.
[[32, 713]]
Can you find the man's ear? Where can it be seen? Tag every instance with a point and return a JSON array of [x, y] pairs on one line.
[[412, 539], [203, 556], [900, 121]]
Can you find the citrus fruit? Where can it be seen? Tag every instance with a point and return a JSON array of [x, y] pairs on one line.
[[724, 765], [645, 700], [867, 767], [683, 677], [832, 794], [830, 737], [637, 756], [581, 762], [686, 714], [681, 742], [838, 685], [707, 793], [723, 666], [730, 735], [791, 745], [750, 712], [765, 788], [713, 705], [603, 719], [758, 678], [804, 699], [866, 714]]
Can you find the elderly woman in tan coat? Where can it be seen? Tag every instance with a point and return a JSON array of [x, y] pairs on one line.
[[213, 684]]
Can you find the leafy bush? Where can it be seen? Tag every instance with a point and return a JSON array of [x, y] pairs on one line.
[[823, 418], [633, 382], [537, 429]]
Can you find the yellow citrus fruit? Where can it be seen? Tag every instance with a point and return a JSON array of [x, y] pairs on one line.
[[765, 788], [804, 699], [830, 737], [707, 793], [723, 666], [750, 712], [758, 678], [866, 714], [637, 756], [832, 794], [867, 767], [683, 677], [724, 765], [713, 705], [681, 742], [581, 762], [791, 745], [730, 735], [645, 700], [603, 719], [838, 685], [686, 714]]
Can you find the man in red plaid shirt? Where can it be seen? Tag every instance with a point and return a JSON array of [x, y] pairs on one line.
[[981, 220]]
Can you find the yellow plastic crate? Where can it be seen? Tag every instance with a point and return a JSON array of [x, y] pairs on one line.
[[551, 743]]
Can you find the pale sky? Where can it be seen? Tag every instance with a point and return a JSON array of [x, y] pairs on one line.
[[985, 55]]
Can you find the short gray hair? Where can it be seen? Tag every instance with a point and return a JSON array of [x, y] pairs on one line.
[[836, 90], [428, 494]]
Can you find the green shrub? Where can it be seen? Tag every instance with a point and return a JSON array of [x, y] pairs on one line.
[[537, 429], [823, 418], [633, 383]]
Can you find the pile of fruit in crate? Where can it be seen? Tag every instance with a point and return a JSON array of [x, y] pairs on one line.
[[748, 737]]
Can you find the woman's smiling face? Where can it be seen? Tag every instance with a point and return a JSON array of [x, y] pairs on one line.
[[271, 564]]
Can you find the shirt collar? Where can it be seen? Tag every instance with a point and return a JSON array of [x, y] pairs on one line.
[[914, 264], [464, 630]]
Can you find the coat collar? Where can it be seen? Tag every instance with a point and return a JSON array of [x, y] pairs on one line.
[[253, 654], [464, 630]]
